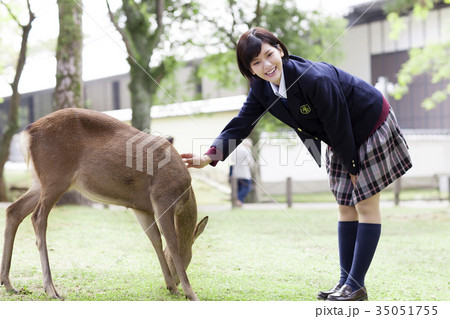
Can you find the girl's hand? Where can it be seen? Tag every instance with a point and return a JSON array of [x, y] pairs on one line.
[[192, 160], [353, 178]]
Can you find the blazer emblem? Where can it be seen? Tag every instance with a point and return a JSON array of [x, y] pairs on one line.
[[305, 109]]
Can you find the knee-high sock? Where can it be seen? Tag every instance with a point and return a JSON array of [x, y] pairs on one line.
[[347, 237], [365, 246]]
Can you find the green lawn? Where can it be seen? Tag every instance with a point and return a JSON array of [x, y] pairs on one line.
[[97, 254]]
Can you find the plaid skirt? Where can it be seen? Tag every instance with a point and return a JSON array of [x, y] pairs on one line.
[[383, 158]]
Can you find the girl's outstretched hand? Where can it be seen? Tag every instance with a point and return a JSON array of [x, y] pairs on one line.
[[196, 161]]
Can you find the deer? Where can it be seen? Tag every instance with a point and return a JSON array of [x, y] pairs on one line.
[[94, 154]]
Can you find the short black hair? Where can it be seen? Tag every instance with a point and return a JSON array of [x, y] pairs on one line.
[[249, 47]]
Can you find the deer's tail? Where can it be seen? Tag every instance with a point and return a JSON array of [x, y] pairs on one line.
[[25, 146]]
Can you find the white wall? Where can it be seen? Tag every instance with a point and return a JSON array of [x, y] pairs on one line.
[[356, 47], [430, 154], [282, 158]]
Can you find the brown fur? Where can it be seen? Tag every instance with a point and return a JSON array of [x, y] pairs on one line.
[[87, 150]]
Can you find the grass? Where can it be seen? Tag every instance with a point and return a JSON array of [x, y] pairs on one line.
[[100, 254], [20, 180]]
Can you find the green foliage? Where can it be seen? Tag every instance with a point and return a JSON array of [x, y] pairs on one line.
[[398, 8], [432, 59], [436, 98], [222, 68], [174, 91], [397, 24], [310, 35]]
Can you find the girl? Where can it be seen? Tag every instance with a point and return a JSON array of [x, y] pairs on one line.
[[366, 150]]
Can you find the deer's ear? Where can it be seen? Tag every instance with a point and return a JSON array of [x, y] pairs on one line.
[[200, 227]]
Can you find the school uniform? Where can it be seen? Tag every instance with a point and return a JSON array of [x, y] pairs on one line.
[[323, 103]]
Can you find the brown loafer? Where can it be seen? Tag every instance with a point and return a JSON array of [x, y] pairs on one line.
[[323, 295], [346, 293]]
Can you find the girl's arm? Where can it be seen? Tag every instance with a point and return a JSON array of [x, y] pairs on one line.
[[231, 136], [196, 161]]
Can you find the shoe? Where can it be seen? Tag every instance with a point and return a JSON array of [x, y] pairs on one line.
[[323, 295], [346, 293]]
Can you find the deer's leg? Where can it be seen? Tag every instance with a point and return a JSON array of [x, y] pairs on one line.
[[167, 224], [15, 214], [48, 199], [148, 223]]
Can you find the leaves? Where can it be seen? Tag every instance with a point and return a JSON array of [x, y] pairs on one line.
[[221, 67], [430, 60], [397, 25]]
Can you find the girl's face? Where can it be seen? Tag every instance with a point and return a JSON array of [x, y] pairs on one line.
[[268, 64]]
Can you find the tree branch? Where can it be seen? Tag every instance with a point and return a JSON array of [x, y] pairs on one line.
[[121, 31], [230, 35], [13, 16], [156, 37], [257, 19], [159, 12], [23, 48]]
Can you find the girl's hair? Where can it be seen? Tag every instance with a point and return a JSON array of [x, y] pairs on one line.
[[249, 47]]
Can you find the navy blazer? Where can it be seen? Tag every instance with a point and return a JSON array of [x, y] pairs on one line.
[[324, 104]]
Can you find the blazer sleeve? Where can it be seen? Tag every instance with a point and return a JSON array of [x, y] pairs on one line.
[[332, 110], [239, 127]]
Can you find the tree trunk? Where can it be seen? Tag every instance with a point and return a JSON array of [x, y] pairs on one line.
[[3, 193], [141, 92], [13, 119], [69, 83], [141, 35], [11, 128]]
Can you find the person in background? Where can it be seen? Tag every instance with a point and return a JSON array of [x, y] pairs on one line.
[[322, 103], [241, 169]]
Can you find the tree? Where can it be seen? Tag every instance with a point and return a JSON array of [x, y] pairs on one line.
[[69, 83], [13, 117], [432, 59], [145, 29]]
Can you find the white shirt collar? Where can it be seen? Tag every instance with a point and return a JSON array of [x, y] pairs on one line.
[[280, 90]]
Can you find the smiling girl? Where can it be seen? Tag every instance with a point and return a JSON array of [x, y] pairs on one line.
[[366, 150]]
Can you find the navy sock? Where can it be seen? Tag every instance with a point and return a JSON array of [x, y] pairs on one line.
[[365, 246], [346, 237]]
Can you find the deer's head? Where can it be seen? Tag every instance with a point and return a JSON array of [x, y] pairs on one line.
[[185, 250]]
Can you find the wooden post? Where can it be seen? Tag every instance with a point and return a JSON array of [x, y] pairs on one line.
[[448, 190], [397, 189], [289, 192], [234, 189]]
